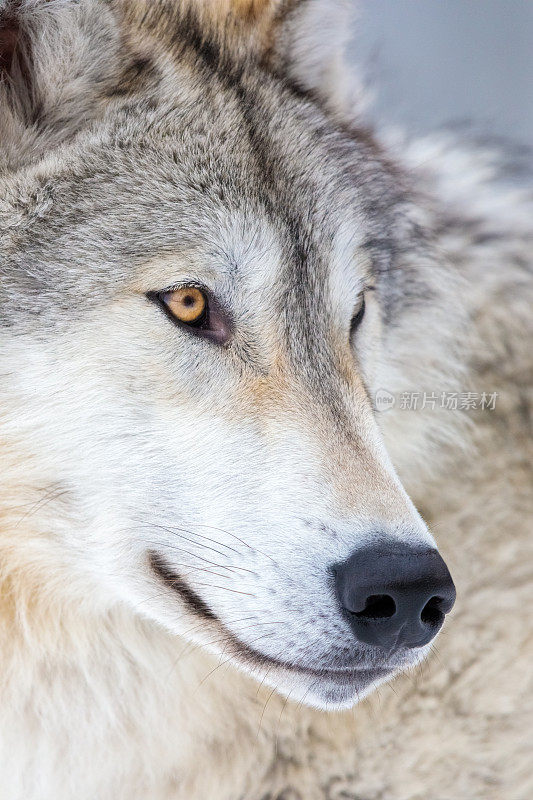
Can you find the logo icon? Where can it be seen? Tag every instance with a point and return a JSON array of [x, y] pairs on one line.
[[384, 400]]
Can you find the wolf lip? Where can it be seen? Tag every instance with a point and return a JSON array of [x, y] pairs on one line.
[[337, 690], [358, 678]]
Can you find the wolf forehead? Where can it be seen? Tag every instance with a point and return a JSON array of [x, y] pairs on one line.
[[127, 195], [174, 165]]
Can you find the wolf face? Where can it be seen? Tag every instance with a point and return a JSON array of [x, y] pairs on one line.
[[206, 274]]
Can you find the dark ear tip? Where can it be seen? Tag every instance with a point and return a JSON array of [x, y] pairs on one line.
[[9, 37]]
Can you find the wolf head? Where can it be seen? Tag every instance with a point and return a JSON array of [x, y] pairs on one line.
[[207, 272]]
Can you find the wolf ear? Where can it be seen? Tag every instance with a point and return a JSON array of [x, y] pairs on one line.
[[55, 56], [308, 45], [302, 39]]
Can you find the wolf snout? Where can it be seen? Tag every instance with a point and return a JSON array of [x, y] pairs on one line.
[[395, 596]]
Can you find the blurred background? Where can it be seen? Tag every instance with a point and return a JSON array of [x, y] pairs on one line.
[[434, 62]]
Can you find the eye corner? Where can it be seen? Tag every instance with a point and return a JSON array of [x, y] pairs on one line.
[[359, 312]]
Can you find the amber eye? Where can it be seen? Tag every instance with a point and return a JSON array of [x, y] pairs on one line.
[[187, 305], [195, 309]]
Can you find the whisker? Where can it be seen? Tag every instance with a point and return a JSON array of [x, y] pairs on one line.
[[207, 538], [189, 646], [263, 711], [179, 532], [48, 497], [242, 541], [192, 568], [284, 706], [189, 552], [228, 660], [302, 699], [208, 585], [226, 588], [207, 561]]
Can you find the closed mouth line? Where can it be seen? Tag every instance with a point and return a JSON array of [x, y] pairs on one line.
[[248, 654], [192, 600]]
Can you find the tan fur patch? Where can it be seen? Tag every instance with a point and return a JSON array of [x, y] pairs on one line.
[[255, 20], [251, 9]]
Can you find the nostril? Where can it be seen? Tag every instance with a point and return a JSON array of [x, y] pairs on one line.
[[377, 606], [432, 613]]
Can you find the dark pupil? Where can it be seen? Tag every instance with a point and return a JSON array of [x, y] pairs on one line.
[[189, 300]]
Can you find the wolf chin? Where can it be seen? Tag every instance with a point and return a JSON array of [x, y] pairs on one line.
[[214, 541]]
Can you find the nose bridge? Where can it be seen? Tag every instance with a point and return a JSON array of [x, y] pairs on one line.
[[346, 450], [354, 460], [363, 477]]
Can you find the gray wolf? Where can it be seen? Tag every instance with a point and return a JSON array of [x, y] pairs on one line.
[[210, 546]]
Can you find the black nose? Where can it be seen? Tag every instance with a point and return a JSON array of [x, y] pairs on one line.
[[395, 595]]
